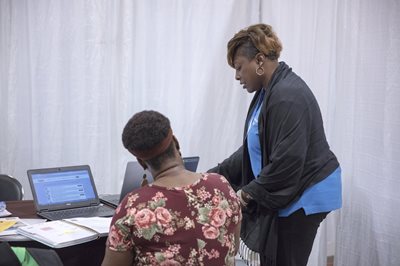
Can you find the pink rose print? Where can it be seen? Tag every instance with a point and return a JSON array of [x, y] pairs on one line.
[[170, 263], [131, 211], [236, 219], [115, 238], [217, 217], [144, 218], [210, 232], [168, 254], [223, 179], [229, 212], [169, 231], [159, 195], [228, 242], [132, 198], [163, 216], [118, 209], [203, 194], [216, 200], [175, 248], [213, 254]]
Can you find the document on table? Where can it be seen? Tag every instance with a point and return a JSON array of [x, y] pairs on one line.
[[68, 232], [10, 234]]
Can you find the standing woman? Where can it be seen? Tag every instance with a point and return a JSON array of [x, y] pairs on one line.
[[286, 176]]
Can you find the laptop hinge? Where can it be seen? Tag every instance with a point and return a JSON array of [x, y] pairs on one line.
[[94, 204], [44, 210]]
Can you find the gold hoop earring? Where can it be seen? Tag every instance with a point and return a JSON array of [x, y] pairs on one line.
[[262, 69]]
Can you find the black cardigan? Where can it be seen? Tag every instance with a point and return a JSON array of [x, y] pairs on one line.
[[295, 155]]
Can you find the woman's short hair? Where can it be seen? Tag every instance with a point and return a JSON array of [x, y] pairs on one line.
[[144, 131], [258, 38]]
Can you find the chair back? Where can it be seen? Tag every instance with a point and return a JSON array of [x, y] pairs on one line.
[[10, 188]]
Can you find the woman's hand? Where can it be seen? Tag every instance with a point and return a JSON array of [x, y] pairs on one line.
[[244, 197]]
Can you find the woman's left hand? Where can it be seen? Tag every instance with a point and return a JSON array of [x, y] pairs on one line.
[[244, 197]]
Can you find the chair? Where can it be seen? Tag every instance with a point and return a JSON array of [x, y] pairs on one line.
[[10, 188], [11, 256]]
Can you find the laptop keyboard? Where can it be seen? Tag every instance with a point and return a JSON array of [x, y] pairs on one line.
[[110, 199], [92, 211]]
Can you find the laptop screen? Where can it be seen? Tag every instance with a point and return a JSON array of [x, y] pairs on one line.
[[62, 186], [191, 163]]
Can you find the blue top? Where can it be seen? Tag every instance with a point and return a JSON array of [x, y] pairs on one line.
[[324, 196], [253, 139]]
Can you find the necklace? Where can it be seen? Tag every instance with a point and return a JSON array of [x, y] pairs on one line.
[[159, 175]]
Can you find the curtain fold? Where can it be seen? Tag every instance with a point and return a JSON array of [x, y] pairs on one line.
[[366, 130], [73, 73]]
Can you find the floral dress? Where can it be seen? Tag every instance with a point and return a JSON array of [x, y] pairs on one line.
[[191, 225]]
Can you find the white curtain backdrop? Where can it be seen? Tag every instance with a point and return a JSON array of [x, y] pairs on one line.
[[366, 130], [73, 72]]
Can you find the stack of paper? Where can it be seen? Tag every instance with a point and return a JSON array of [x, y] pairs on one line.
[[68, 232], [5, 224], [9, 226]]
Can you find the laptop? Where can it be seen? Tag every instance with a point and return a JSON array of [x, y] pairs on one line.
[[66, 192], [133, 179]]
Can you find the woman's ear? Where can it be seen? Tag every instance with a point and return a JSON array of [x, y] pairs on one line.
[[260, 59], [176, 143], [178, 148]]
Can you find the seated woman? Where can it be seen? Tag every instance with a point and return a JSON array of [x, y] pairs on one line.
[[182, 218]]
